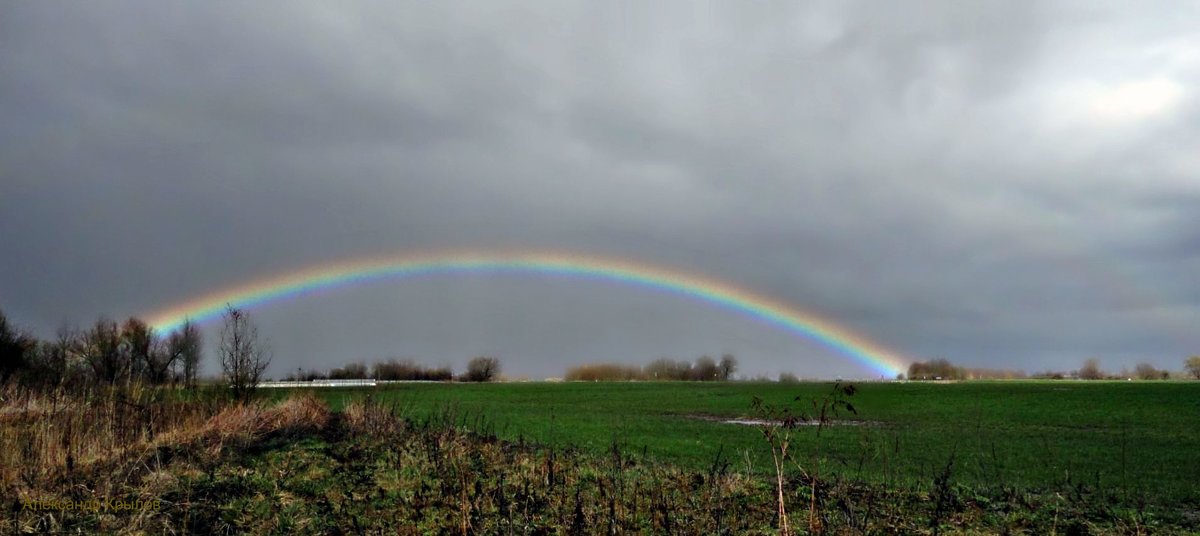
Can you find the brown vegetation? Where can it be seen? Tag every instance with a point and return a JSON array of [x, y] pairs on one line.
[[1146, 371], [351, 371], [409, 371], [108, 354], [594, 372], [936, 369], [49, 435], [703, 369], [1091, 370], [244, 356], [482, 369], [214, 466], [1192, 366], [941, 369], [390, 370], [45, 437], [242, 424]]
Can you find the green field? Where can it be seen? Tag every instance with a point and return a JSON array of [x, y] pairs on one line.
[[1135, 439], [603, 458]]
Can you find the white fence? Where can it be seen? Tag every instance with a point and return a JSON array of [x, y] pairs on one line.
[[338, 383], [319, 383]]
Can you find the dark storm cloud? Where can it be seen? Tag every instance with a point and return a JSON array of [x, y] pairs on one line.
[[1009, 184]]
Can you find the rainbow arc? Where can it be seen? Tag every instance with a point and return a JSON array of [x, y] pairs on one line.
[[779, 314]]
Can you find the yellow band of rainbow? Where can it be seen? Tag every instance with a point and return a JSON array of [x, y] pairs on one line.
[[361, 270]]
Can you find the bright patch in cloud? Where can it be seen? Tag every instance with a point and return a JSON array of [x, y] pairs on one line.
[[1133, 101]]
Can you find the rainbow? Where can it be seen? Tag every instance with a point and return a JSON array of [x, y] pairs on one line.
[[362, 270]]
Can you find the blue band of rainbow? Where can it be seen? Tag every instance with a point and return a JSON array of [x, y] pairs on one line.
[[776, 313]]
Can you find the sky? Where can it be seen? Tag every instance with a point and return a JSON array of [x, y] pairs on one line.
[[1002, 184]]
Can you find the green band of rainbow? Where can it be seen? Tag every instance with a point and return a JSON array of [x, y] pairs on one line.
[[723, 295]]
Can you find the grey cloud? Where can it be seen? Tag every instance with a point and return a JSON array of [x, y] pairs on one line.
[[909, 173]]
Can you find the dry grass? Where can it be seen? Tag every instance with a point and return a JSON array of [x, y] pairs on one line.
[[243, 424], [129, 444], [295, 468], [47, 437], [372, 419]]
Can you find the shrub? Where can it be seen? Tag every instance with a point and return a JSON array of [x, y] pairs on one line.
[[394, 370], [15, 350], [352, 371], [1091, 370], [668, 369], [306, 376], [727, 367], [1146, 371], [482, 369], [936, 369], [604, 372], [1192, 365]]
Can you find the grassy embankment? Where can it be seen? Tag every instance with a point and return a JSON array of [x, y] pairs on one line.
[[1138, 438], [968, 458]]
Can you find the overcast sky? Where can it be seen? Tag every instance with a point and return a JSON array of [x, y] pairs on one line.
[[1003, 184]]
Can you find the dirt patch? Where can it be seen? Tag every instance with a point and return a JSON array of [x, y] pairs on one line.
[[753, 421]]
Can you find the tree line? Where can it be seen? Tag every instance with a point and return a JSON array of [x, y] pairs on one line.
[[1143, 371], [704, 368], [108, 353], [118, 354], [479, 369], [112, 354], [941, 369]]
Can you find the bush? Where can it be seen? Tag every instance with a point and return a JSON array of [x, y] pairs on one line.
[[668, 369], [1193, 366], [604, 372], [15, 350], [663, 369], [352, 371], [936, 369], [409, 371], [306, 376], [727, 367], [1091, 370], [1146, 371], [482, 369]]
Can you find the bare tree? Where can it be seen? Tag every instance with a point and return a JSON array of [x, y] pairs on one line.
[[392, 370], [15, 350], [936, 369], [244, 357], [1146, 371], [150, 358], [705, 370], [105, 352], [1192, 365], [63, 360], [352, 371], [728, 366], [663, 369], [184, 347], [482, 369], [1091, 370]]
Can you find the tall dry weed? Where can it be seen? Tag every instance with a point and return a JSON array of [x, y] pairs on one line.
[[246, 423], [53, 433]]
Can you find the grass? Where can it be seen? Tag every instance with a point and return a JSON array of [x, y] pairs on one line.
[[1138, 439], [970, 458]]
